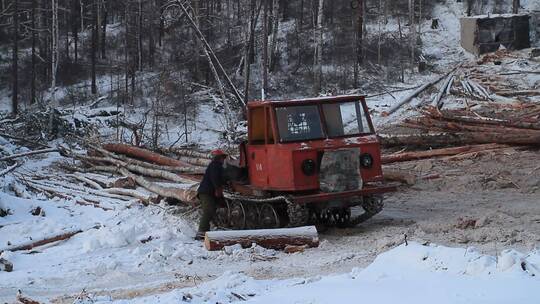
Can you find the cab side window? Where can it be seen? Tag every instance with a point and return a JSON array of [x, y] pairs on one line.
[[257, 124]]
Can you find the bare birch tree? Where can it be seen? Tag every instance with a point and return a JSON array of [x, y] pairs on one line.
[[317, 66], [264, 61], [54, 51], [273, 43], [15, 63], [515, 6], [412, 30]]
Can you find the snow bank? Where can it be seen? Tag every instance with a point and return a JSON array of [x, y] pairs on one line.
[[406, 274]]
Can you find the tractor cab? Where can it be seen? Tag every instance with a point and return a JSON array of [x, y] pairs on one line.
[[308, 146]]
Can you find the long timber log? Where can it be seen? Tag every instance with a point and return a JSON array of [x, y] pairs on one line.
[[449, 116], [44, 241], [430, 123], [458, 139], [268, 238], [416, 155], [185, 195], [146, 155], [416, 92]]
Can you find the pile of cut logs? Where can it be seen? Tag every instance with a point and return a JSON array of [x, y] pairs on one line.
[[116, 175], [498, 76], [460, 131]]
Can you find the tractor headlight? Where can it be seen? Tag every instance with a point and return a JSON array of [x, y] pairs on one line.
[[366, 160], [309, 167]]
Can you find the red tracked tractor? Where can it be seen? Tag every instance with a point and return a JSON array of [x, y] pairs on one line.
[[306, 161]]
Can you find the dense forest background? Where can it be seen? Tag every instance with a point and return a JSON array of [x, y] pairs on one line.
[[75, 51]]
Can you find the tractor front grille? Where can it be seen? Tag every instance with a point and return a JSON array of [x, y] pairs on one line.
[[340, 170]]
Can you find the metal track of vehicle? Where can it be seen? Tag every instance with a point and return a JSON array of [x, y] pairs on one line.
[[244, 212], [298, 214], [372, 205]]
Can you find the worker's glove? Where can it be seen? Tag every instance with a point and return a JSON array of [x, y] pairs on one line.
[[218, 192]]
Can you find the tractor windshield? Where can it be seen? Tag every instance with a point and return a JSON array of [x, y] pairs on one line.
[[299, 123], [345, 119]]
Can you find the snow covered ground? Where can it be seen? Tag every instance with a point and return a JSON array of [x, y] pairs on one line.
[[139, 254], [412, 273]]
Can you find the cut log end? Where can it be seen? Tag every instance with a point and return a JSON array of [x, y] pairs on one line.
[[277, 239]]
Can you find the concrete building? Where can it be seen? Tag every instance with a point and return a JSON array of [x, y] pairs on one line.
[[484, 34]]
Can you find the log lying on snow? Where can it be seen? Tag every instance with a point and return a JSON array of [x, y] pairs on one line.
[[24, 300], [443, 90], [14, 156], [44, 241], [415, 155], [146, 171], [144, 154], [268, 238], [132, 161], [416, 92], [184, 195], [189, 153], [9, 169]]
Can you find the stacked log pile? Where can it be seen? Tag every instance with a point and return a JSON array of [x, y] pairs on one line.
[[115, 175], [497, 77], [445, 128], [461, 134]]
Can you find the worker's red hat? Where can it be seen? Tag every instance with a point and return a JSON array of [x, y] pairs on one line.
[[218, 152]]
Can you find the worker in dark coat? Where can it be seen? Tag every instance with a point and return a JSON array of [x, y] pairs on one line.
[[210, 191]]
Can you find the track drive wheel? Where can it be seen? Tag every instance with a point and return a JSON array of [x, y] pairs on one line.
[[268, 217], [252, 215], [237, 215]]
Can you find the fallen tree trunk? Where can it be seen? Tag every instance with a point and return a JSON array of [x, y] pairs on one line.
[[458, 139], [144, 154], [185, 195], [44, 241], [24, 300], [415, 93], [167, 175], [87, 181], [132, 161], [189, 153], [9, 169], [450, 116], [92, 204], [267, 238], [428, 123], [129, 192], [201, 162], [511, 93], [437, 100], [416, 155], [14, 156], [55, 187]]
